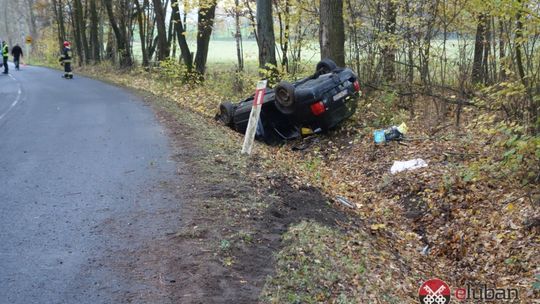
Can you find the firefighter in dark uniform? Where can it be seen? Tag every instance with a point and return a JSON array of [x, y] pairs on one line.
[[65, 60], [5, 54], [17, 53]]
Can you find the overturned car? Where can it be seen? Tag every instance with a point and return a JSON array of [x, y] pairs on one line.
[[311, 105]]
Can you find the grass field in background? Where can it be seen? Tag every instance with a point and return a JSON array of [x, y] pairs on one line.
[[224, 51]]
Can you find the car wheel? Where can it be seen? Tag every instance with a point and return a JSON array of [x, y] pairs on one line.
[[226, 112], [325, 66], [284, 97]]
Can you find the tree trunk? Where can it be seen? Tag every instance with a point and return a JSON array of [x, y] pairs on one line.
[[284, 27], [109, 52], [479, 49], [493, 49], [205, 24], [142, 33], [485, 56], [170, 32], [502, 55], [94, 37], [238, 36], [389, 50], [518, 48], [151, 39], [265, 34], [532, 104], [75, 20], [81, 24], [181, 36], [59, 13], [121, 37], [332, 31], [172, 37], [163, 46]]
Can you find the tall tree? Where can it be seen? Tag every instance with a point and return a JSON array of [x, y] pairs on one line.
[[120, 33], [265, 34], [163, 44], [94, 32], [389, 49], [207, 12], [59, 14], [76, 25], [533, 90], [284, 18], [80, 28], [479, 45], [332, 31], [187, 57], [502, 53], [238, 36], [142, 32]]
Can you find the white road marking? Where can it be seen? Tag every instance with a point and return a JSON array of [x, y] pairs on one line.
[[16, 101]]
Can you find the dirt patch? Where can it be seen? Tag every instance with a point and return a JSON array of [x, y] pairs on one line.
[[303, 203], [231, 220]]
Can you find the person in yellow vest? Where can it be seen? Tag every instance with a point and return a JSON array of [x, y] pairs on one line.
[[5, 53], [65, 60]]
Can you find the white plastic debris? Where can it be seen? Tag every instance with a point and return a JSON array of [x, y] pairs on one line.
[[344, 201], [412, 164]]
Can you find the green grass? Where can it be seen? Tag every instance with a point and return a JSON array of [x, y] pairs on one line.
[[315, 266], [224, 51]]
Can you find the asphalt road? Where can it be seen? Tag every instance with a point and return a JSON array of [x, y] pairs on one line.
[[81, 164]]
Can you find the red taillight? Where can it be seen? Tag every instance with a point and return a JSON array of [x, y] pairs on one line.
[[356, 85], [318, 108]]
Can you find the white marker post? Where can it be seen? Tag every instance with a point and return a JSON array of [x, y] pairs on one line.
[[249, 138]]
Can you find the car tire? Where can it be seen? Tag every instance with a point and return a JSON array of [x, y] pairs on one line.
[[226, 112], [284, 97], [325, 66]]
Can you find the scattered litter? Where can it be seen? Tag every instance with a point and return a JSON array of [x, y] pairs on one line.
[[378, 226], [72, 193], [393, 133], [305, 143], [344, 201], [426, 249], [308, 131], [408, 165]]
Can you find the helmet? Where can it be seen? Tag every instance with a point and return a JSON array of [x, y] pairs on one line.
[[66, 43]]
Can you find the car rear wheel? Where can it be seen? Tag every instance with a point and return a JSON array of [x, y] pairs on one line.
[[325, 66], [284, 97], [226, 112]]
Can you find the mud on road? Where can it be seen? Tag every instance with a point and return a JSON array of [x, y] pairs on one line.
[[231, 219]]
